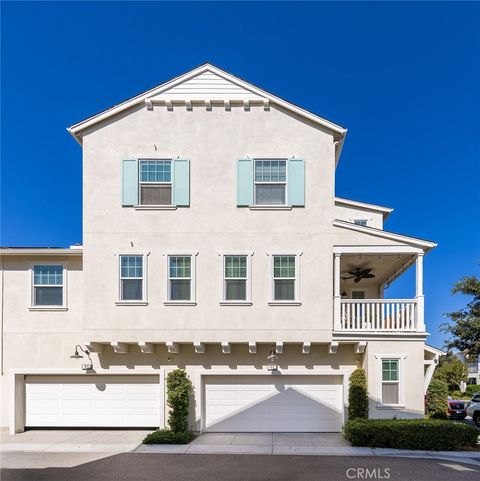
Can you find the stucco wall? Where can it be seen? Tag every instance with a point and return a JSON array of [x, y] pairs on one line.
[[349, 214]]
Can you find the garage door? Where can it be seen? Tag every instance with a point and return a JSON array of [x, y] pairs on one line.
[[93, 401], [273, 403]]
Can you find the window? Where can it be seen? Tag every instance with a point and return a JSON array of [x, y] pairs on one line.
[[360, 222], [131, 278], [155, 182], [235, 278], [358, 294], [270, 182], [48, 287], [390, 382], [284, 278], [180, 278]]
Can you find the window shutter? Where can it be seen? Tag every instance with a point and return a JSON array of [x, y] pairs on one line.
[[296, 182], [244, 182], [129, 182], [181, 182]]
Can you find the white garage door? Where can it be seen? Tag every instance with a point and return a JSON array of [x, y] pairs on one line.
[[93, 401], [273, 403]]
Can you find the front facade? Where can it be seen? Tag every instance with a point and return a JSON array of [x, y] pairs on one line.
[[212, 236]]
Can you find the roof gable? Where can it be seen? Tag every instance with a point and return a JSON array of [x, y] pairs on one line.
[[208, 83]]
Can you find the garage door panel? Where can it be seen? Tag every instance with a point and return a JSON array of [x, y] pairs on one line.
[[103, 401], [262, 404]]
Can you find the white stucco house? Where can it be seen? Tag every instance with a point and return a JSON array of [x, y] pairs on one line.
[[211, 237]]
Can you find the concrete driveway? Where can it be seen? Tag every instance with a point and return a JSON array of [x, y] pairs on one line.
[[65, 441]]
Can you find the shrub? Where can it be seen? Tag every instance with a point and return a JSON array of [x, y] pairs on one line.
[[437, 398], [428, 434], [165, 436], [472, 389], [179, 389], [358, 395]]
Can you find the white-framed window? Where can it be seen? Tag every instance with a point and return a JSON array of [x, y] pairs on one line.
[[132, 286], [285, 278], [360, 221], [270, 182], [390, 382], [48, 286], [236, 278], [181, 278], [358, 294], [155, 182]]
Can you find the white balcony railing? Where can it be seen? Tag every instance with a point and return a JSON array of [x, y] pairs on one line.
[[382, 315]]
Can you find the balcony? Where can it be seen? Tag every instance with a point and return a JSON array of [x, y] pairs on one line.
[[360, 307], [381, 315]]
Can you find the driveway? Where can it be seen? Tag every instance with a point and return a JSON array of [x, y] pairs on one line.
[[98, 441]]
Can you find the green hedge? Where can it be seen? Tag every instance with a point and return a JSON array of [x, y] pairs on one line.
[[472, 389], [179, 389], [165, 436], [358, 395], [427, 434], [437, 399]]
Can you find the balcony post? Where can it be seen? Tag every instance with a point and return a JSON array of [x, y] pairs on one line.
[[419, 293], [336, 292]]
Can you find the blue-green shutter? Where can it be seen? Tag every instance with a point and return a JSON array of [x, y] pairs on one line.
[[181, 182], [129, 182], [296, 182], [244, 182]]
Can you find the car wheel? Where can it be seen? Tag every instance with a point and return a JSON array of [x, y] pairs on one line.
[[476, 419]]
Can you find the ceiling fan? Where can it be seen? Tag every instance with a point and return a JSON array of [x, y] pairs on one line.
[[359, 274]]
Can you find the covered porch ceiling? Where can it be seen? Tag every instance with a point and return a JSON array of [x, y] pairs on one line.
[[385, 267]]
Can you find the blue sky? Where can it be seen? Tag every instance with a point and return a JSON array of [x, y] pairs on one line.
[[403, 78]]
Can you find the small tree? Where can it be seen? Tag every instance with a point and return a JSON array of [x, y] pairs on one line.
[[437, 399], [179, 389], [452, 371], [358, 395]]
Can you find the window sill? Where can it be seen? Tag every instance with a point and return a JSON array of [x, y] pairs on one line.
[[236, 303], [48, 308], [180, 303], [131, 303], [270, 207], [284, 303], [155, 207], [390, 406]]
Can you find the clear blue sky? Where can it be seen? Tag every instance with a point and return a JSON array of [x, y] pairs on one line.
[[403, 78]]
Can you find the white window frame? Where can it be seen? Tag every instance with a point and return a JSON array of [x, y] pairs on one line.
[[260, 159], [144, 300], [193, 298], [248, 300], [401, 380], [33, 306], [140, 182], [352, 289], [297, 301]]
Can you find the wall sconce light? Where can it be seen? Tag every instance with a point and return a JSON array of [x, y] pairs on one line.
[[272, 360], [85, 367]]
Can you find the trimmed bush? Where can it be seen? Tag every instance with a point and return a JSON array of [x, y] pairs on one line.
[[179, 389], [437, 399], [472, 389], [427, 434], [165, 436], [358, 395]]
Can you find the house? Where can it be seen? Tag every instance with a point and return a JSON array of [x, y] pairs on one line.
[[213, 242]]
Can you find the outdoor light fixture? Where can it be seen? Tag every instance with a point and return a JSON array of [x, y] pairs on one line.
[[272, 360], [85, 367]]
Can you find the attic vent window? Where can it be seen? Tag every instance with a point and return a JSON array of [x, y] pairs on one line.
[[360, 222]]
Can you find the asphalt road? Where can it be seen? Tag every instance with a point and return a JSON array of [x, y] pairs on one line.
[[178, 467]]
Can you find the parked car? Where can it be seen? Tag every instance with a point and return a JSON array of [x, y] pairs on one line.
[[457, 409], [475, 398], [473, 409]]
